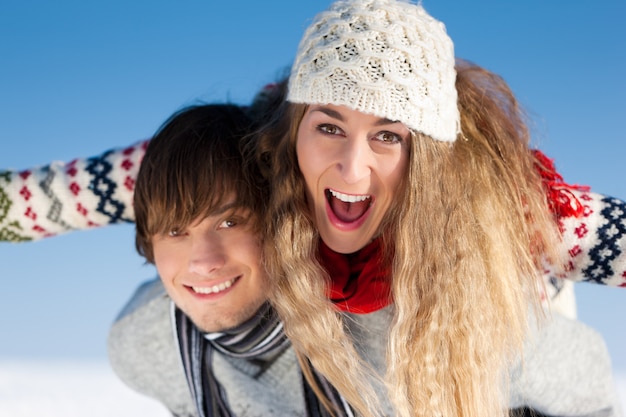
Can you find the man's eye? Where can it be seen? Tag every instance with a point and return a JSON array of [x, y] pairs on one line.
[[174, 233], [227, 224]]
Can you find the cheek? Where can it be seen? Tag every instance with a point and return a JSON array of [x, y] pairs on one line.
[[402, 171], [398, 170], [252, 256], [246, 248], [310, 171], [166, 260], [308, 160]]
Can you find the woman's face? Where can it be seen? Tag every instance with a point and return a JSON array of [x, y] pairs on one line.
[[353, 164]]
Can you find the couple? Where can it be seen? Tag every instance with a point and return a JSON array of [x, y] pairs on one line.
[[397, 175]]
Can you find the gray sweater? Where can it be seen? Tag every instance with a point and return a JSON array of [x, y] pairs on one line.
[[566, 369], [142, 352]]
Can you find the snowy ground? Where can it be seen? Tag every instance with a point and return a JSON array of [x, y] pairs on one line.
[[79, 389], [69, 389]]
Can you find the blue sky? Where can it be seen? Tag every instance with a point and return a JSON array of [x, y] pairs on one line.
[[80, 77]]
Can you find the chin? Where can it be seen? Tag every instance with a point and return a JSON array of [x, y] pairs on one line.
[[343, 247]]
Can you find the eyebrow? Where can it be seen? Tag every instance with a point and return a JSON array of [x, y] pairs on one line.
[[336, 115]]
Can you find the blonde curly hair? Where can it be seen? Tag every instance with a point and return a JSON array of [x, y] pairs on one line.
[[468, 235]]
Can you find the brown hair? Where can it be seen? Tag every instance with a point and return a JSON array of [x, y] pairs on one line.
[[193, 163], [468, 236]]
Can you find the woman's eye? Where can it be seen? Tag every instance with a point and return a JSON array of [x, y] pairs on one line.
[[388, 137], [174, 233], [329, 129]]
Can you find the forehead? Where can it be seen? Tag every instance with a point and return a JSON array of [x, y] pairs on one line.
[[344, 113], [224, 205]]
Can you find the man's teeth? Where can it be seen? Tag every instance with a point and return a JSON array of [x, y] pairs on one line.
[[215, 288], [348, 198]]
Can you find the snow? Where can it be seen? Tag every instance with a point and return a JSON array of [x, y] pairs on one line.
[[69, 389], [87, 388]]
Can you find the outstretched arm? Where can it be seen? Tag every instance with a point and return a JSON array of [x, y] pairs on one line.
[[594, 243], [61, 197], [593, 229]]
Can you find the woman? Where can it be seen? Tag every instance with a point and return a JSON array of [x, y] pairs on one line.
[[404, 181]]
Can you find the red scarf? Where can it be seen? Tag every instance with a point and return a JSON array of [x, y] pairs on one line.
[[360, 281]]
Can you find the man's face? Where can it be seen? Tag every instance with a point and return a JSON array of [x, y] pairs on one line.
[[212, 269]]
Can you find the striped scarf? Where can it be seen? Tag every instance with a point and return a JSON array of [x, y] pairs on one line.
[[260, 340]]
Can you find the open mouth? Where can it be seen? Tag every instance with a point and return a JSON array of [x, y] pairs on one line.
[[214, 289], [348, 208]]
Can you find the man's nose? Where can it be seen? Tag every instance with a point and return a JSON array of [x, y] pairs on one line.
[[207, 256]]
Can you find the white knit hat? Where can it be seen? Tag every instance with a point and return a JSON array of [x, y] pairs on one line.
[[389, 58]]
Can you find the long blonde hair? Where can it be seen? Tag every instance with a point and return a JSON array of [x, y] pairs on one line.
[[468, 235]]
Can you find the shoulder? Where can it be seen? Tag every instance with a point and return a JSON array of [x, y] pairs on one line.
[[143, 352], [565, 370]]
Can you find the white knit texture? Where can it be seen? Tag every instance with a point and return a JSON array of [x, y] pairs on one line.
[[388, 58]]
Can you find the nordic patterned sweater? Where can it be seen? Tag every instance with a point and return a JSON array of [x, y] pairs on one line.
[[98, 191], [62, 197]]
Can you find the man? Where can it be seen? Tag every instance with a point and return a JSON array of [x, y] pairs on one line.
[[197, 215]]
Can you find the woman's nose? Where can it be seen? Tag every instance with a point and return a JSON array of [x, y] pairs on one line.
[[355, 161]]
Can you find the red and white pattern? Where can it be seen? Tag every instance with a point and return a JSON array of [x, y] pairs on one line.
[[594, 244], [61, 197]]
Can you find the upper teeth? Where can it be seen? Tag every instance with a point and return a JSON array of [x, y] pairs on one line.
[[346, 198], [215, 288]]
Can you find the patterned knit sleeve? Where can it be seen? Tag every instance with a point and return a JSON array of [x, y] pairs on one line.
[[62, 197], [592, 226], [594, 243]]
